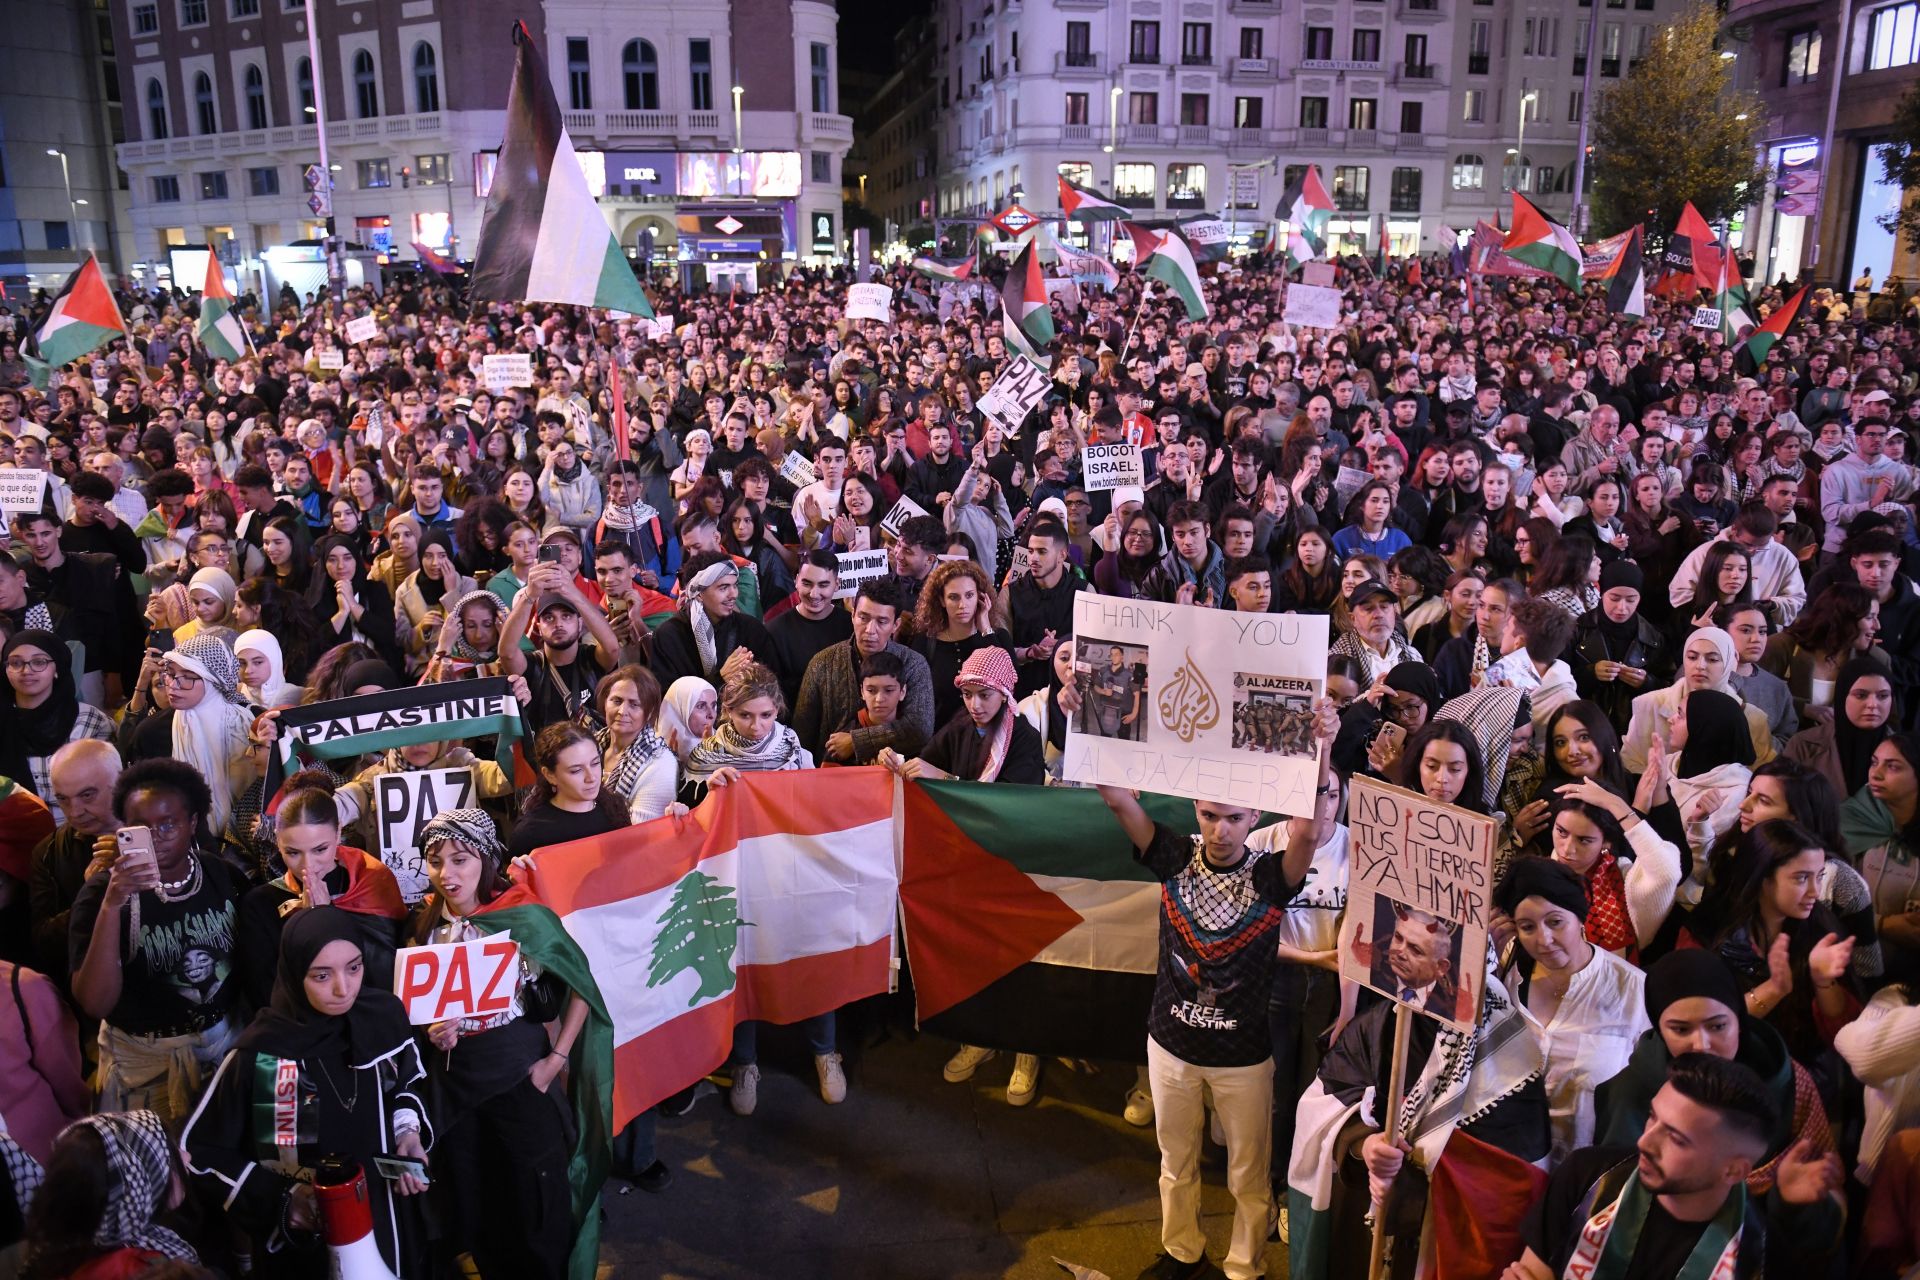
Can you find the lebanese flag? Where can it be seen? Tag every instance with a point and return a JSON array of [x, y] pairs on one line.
[[1084, 204], [773, 901], [1539, 241], [543, 237], [1030, 925]]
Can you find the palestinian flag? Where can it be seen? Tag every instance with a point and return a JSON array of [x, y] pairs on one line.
[[1692, 258], [1762, 339], [1030, 926], [773, 901], [1084, 204], [1730, 298], [1620, 262], [543, 237], [435, 261], [344, 728], [84, 318], [1165, 256], [961, 270], [1086, 267], [1305, 207], [1026, 320], [219, 331], [1539, 241]]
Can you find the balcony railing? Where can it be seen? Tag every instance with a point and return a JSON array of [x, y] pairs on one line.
[[1196, 59], [1416, 71], [302, 137], [1077, 62], [1610, 67], [1143, 57], [1144, 135]]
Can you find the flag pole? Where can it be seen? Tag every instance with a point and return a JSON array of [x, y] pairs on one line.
[[334, 275], [1146, 289], [1396, 1088]]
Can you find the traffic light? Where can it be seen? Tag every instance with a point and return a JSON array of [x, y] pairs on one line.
[[406, 177]]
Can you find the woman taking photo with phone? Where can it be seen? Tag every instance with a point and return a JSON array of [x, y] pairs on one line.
[[358, 1077]]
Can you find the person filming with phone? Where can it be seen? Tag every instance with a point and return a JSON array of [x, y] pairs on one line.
[[151, 938]]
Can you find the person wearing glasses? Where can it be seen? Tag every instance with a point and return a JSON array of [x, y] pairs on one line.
[[200, 717], [41, 711], [151, 945]]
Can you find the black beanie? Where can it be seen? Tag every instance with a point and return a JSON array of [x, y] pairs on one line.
[[1536, 877], [1682, 975]]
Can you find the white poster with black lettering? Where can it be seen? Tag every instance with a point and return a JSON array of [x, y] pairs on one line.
[[1313, 306], [362, 329], [902, 511], [22, 489], [1013, 396], [502, 373], [870, 302], [1199, 702], [402, 804], [857, 567], [1112, 466]]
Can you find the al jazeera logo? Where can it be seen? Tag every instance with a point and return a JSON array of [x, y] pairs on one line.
[[1187, 704]]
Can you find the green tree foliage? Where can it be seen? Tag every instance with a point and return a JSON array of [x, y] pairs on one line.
[[1673, 131], [1902, 158]]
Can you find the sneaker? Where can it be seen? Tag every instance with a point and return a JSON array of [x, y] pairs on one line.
[[1280, 1227], [656, 1178], [833, 1080], [963, 1064], [1139, 1111], [1025, 1081], [1168, 1267], [745, 1094], [1215, 1130]]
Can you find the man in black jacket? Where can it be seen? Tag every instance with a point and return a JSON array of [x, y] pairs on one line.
[[932, 480], [1036, 608]]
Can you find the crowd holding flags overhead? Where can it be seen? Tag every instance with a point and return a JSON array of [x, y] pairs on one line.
[[1620, 262], [219, 329], [84, 318], [543, 238], [1539, 241], [962, 270], [435, 261], [1762, 339], [1165, 256], [1305, 207]]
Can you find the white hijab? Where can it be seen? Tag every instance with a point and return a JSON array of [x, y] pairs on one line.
[[275, 691], [676, 711], [214, 735]]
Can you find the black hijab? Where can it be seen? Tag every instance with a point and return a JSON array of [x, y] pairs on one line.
[[1717, 733], [320, 590], [1619, 636], [290, 1027], [1853, 745], [1420, 680], [432, 590], [37, 731]]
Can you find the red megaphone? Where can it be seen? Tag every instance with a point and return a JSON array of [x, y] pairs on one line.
[[346, 1220]]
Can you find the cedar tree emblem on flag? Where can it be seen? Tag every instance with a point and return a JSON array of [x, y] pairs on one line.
[[699, 931]]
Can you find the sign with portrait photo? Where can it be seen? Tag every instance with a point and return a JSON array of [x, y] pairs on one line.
[[1419, 894], [1013, 395], [1199, 702]]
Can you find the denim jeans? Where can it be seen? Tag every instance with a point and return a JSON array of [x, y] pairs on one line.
[[820, 1038]]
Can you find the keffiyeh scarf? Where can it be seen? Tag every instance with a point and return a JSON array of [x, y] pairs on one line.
[[625, 773], [213, 736], [697, 618], [140, 1176], [727, 748], [462, 651]]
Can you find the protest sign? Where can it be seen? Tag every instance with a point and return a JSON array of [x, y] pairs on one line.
[[870, 302], [1110, 466], [1013, 395], [1017, 562], [1312, 305], [444, 980], [331, 360], [1418, 898], [341, 728], [22, 490], [403, 803], [857, 567], [1200, 702], [1706, 318], [1321, 275], [503, 373], [362, 329], [797, 470], [1347, 482], [903, 511]]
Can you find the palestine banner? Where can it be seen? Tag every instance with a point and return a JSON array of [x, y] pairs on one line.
[[1620, 262], [1030, 926], [773, 901], [344, 728]]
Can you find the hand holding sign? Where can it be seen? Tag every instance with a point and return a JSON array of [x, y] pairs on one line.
[[445, 982]]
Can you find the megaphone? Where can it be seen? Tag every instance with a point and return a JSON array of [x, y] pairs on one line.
[[346, 1221]]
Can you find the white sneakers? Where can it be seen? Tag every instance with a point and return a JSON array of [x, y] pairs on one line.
[[1025, 1081], [745, 1094], [961, 1066], [833, 1080], [1139, 1112]]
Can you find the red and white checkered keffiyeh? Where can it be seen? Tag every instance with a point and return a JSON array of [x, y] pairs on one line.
[[992, 668], [1607, 924]]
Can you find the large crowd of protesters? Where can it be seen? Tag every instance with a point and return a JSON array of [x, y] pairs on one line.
[[1649, 603]]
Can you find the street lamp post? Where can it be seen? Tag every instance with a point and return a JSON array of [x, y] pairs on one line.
[[335, 276], [66, 180], [1527, 100]]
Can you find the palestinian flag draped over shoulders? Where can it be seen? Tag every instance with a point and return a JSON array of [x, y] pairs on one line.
[[1305, 208], [1084, 204], [1775, 328], [84, 318], [1539, 241], [543, 238], [219, 331], [1029, 924], [1026, 319]]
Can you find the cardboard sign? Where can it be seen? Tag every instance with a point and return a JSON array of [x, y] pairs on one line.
[[362, 329], [870, 302], [1312, 305], [1112, 466], [403, 803], [1419, 892], [331, 360], [1321, 275], [1013, 396], [1706, 318], [22, 490], [857, 567], [1200, 702], [660, 328], [1017, 563], [503, 373], [443, 980], [903, 511], [797, 470]]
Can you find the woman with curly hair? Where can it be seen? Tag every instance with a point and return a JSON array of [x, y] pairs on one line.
[[1840, 622], [951, 622]]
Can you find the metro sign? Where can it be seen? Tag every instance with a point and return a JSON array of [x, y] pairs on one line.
[[729, 224], [1013, 220]]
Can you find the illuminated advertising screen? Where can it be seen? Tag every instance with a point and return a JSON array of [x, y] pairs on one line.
[[764, 174]]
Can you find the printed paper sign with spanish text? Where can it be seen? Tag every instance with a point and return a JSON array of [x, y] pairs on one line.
[[503, 373], [22, 489], [362, 329], [1419, 890], [1192, 701], [1112, 466], [1013, 395], [403, 803], [857, 567]]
